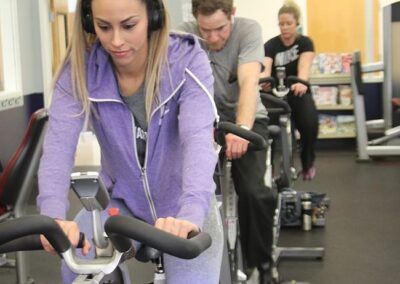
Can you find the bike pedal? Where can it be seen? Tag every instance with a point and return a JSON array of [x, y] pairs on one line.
[[294, 173]]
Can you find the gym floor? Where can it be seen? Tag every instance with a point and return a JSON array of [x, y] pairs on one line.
[[360, 237]]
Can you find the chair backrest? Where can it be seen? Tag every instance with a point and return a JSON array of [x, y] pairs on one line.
[[16, 180]]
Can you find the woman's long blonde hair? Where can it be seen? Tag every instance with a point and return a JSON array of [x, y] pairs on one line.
[[81, 42]]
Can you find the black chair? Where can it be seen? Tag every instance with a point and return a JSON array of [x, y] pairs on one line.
[[16, 183]]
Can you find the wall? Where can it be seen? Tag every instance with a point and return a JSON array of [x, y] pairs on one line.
[[61, 27], [14, 121], [180, 11], [266, 13], [333, 25], [340, 26], [31, 59], [1, 67]]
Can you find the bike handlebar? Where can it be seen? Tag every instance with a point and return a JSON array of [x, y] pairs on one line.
[[282, 107], [122, 228], [257, 142], [294, 79], [270, 80], [290, 80], [23, 234]]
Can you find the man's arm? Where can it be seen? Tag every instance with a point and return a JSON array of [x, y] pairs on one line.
[[248, 77]]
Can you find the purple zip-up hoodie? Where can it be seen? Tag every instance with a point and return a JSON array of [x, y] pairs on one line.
[[177, 177]]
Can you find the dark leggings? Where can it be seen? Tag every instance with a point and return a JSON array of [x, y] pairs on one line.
[[305, 119], [256, 203]]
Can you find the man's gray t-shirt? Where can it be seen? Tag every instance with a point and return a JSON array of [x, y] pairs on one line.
[[243, 46]]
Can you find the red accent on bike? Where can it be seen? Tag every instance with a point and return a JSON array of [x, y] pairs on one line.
[[113, 211]]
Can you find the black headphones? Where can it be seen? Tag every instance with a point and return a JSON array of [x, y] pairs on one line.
[[155, 12]]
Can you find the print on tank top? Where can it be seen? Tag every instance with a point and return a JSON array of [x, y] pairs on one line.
[[285, 57]]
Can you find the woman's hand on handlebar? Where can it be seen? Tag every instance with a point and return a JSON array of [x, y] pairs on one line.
[[71, 230], [298, 89], [236, 146], [177, 227]]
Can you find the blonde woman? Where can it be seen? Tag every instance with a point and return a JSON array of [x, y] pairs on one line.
[[148, 96], [295, 52]]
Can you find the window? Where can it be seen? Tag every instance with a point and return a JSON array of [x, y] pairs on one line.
[[10, 67], [9, 46]]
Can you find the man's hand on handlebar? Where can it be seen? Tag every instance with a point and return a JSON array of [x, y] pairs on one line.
[[177, 227], [298, 89], [71, 230], [236, 146]]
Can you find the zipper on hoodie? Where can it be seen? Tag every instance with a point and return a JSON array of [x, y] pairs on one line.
[[143, 175], [161, 115]]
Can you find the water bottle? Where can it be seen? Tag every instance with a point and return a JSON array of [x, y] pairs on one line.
[[306, 207]]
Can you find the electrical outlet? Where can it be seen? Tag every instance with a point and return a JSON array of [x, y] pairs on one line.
[[8, 102]]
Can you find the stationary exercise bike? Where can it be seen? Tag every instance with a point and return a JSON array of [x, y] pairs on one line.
[[227, 197], [385, 145], [284, 181], [276, 104], [113, 242]]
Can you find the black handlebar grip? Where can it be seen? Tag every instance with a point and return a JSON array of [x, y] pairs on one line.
[[34, 225], [280, 106], [270, 80], [293, 80], [129, 227], [30, 243], [257, 142], [27, 243], [146, 253]]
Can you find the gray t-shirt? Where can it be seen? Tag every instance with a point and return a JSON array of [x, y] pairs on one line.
[[136, 104], [244, 45]]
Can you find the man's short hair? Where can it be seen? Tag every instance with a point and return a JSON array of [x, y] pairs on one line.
[[208, 7]]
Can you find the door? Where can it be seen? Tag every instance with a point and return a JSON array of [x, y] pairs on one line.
[[61, 27], [339, 26]]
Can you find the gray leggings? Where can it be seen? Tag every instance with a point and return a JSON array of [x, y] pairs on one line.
[[203, 270]]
